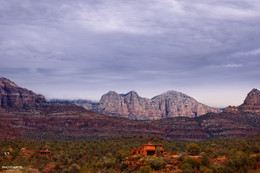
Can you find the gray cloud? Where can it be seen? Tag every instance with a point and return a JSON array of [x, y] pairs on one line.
[[85, 48]]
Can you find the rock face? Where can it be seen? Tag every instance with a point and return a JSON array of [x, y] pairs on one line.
[[14, 96], [166, 105], [64, 121], [57, 121], [250, 105], [252, 102], [128, 105]]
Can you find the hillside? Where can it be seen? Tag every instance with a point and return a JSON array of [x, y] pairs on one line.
[[63, 121], [167, 105]]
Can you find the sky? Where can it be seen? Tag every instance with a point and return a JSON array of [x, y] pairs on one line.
[[207, 49]]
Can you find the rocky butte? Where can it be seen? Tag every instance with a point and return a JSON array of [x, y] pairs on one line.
[[167, 105], [24, 114], [250, 105], [14, 96]]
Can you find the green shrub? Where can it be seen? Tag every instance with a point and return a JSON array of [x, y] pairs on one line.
[[99, 164], [205, 160], [155, 162], [74, 168], [186, 168], [120, 155], [145, 169], [181, 158], [193, 149], [204, 169], [190, 161], [123, 166], [239, 161], [109, 162], [210, 152]]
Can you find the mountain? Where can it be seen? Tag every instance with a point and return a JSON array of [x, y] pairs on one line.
[[64, 121], [167, 105], [14, 96], [250, 105], [252, 102], [59, 121]]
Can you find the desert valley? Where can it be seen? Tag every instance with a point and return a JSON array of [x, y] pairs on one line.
[[172, 118], [129, 86]]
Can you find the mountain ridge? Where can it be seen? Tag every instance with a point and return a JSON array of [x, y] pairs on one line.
[[65, 121], [168, 104], [11, 95], [251, 104]]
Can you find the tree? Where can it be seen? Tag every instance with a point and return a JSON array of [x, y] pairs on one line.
[[155, 162], [145, 169], [120, 155], [123, 166], [255, 148], [159, 152], [186, 168], [239, 161], [99, 164], [190, 161], [74, 168], [109, 161], [193, 149], [210, 152], [205, 170], [205, 160]]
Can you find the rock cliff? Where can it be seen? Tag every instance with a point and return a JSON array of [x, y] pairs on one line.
[[250, 105], [252, 102], [64, 121], [166, 105], [14, 96]]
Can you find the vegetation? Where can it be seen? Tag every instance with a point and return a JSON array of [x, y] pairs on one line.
[[109, 155], [154, 162], [193, 149]]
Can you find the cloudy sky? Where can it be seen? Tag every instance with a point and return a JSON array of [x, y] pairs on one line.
[[208, 49]]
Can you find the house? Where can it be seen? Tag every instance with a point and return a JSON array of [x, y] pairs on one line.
[[44, 152], [148, 149], [26, 152]]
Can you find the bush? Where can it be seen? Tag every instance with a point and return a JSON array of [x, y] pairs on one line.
[[193, 149], [210, 152], [123, 166], [74, 168], [186, 168], [181, 158], [109, 162], [120, 155], [145, 169], [255, 148], [190, 161], [205, 160], [204, 169], [239, 161], [99, 164], [155, 162]]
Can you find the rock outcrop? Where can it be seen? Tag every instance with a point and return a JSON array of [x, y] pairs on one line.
[[57, 121], [252, 102], [14, 96], [166, 105], [250, 105], [64, 121]]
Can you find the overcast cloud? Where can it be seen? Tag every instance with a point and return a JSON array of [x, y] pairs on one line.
[[208, 49]]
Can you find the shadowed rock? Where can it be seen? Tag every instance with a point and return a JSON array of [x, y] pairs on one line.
[[14, 96], [250, 105]]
